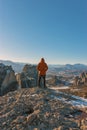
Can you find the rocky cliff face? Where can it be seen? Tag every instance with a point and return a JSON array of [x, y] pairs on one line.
[[37, 109], [28, 77], [7, 79]]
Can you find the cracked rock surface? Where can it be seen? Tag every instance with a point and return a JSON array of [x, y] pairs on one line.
[[36, 109]]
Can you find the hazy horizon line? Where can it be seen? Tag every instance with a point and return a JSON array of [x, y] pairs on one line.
[[36, 63]]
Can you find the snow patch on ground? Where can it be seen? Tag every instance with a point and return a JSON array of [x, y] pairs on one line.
[[70, 99], [62, 87]]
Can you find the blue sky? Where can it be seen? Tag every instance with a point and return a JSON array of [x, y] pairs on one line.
[[53, 29]]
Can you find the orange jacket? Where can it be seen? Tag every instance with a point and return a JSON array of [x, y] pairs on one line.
[[42, 67]]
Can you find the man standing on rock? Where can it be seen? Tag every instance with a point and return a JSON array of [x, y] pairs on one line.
[[42, 68]]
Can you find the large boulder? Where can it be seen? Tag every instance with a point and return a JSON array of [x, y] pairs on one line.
[[30, 71], [2, 73], [8, 80], [28, 77]]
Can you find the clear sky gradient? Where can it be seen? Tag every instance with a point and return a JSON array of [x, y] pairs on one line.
[[53, 29]]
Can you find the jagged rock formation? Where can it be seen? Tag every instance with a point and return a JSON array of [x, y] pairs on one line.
[[28, 77], [76, 81], [7, 79], [36, 109], [81, 80]]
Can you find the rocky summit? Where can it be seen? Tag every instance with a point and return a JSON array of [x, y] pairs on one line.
[[39, 109], [7, 79]]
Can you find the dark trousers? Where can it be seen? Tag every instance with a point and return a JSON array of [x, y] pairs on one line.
[[40, 78]]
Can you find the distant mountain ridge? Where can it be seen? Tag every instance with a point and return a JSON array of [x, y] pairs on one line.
[[76, 66], [67, 67], [18, 66]]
